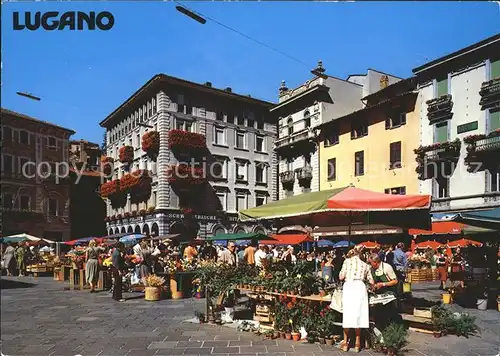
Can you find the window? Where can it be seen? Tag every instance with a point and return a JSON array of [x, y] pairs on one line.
[[289, 124], [240, 139], [441, 187], [154, 106], [7, 201], [241, 120], [397, 191], [259, 144], [494, 123], [24, 202], [141, 115], [219, 116], [493, 179], [395, 121], [183, 125], [180, 103], [24, 137], [130, 143], [442, 87], [441, 132], [219, 168], [395, 155], [6, 134], [139, 141], [241, 171], [28, 169], [250, 120], [219, 135], [359, 129], [260, 124], [260, 200], [359, 163], [260, 172], [241, 201], [332, 169], [332, 137], [223, 200], [495, 69], [51, 142], [230, 118], [53, 207], [7, 163], [307, 119]]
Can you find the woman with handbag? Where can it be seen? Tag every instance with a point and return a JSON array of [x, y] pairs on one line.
[[355, 273]]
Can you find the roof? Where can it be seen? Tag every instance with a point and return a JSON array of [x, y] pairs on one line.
[[405, 84], [26, 117], [464, 51], [163, 78]]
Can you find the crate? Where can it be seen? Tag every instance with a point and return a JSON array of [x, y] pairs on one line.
[[262, 309], [422, 313], [262, 318]]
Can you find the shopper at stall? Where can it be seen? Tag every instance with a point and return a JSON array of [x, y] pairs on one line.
[[21, 259], [209, 252], [327, 269], [117, 267], [190, 252], [289, 256], [400, 264], [260, 255], [228, 256], [442, 267], [458, 267], [9, 261], [354, 297], [92, 264], [249, 254]]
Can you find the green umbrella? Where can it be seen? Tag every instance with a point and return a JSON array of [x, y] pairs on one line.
[[239, 236]]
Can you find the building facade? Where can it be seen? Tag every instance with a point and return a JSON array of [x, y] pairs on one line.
[[224, 139], [372, 148], [85, 154], [35, 184], [459, 157], [300, 113]]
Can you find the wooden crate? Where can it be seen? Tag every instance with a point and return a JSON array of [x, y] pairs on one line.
[[422, 313]]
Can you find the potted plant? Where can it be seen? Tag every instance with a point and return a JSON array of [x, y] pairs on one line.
[[200, 316], [153, 285], [329, 340], [395, 338]]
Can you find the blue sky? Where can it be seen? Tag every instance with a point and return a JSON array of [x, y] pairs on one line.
[[83, 76]]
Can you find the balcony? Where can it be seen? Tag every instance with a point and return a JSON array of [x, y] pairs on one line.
[[287, 94], [439, 156], [488, 144], [302, 135], [304, 176], [490, 94], [439, 109], [287, 179]]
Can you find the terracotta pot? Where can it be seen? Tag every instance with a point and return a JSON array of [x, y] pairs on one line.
[[437, 334], [282, 334], [276, 334], [329, 342], [322, 340], [288, 336], [296, 336]]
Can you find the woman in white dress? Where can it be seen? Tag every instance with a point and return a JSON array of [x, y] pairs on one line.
[[354, 297]]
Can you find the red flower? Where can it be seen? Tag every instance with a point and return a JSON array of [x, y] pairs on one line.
[[107, 165], [185, 139], [151, 143], [126, 154], [110, 188]]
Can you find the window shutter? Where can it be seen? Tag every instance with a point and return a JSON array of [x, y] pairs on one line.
[[403, 118], [387, 123], [402, 191], [494, 120], [387, 191], [495, 69], [442, 87]]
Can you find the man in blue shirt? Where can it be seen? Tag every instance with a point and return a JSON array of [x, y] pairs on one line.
[[400, 263]]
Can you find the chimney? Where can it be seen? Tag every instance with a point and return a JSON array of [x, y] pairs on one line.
[[208, 84], [229, 90]]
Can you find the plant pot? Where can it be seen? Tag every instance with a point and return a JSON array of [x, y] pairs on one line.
[[152, 293], [322, 340], [276, 334], [482, 304], [406, 287], [437, 334], [329, 342], [282, 335], [322, 293], [288, 336], [296, 336], [446, 298]]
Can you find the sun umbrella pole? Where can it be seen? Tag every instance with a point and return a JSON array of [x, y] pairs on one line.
[[349, 228]]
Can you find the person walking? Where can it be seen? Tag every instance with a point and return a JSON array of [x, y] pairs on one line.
[[354, 297], [9, 260], [260, 256], [92, 264], [117, 266], [21, 259], [249, 254], [400, 264]]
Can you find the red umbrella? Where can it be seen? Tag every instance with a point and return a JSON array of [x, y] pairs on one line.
[[464, 243], [429, 244], [368, 244]]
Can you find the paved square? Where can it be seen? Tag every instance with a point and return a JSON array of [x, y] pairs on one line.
[[40, 317]]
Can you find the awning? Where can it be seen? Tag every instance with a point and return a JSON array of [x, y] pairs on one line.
[[368, 244], [85, 240], [238, 236], [287, 239], [440, 228], [343, 244], [347, 199], [325, 243], [356, 230], [429, 244], [489, 219], [463, 243], [25, 237]]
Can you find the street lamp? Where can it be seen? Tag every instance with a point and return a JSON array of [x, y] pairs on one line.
[[191, 14], [28, 95]]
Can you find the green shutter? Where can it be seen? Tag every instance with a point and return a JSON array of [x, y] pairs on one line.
[[442, 87], [494, 120], [495, 69], [442, 132]]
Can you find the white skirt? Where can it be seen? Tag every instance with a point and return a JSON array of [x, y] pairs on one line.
[[355, 305]]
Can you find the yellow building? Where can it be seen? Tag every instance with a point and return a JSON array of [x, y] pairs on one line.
[[372, 148]]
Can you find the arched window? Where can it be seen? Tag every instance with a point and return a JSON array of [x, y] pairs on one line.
[[123, 230], [130, 230], [137, 229], [155, 231], [145, 229], [117, 231], [110, 232], [289, 124], [260, 230], [239, 230], [219, 230], [307, 119]]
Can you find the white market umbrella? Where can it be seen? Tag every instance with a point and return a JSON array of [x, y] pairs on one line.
[[32, 238]]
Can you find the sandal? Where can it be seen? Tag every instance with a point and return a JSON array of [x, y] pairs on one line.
[[357, 348], [344, 346]]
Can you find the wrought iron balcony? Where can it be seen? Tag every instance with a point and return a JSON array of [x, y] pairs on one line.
[[490, 94], [287, 177], [304, 173], [439, 109], [488, 144]]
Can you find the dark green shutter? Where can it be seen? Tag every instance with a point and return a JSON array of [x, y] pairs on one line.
[[495, 69], [442, 132], [494, 120], [442, 87]]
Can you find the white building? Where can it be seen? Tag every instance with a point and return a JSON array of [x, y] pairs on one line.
[[460, 96], [301, 110]]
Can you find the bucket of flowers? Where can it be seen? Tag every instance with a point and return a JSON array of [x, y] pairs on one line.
[[154, 285]]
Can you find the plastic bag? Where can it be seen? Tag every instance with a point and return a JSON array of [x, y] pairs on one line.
[[336, 303]]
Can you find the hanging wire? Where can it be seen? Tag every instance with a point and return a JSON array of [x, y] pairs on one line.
[[247, 36]]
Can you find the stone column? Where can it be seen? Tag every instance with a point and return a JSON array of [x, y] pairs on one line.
[[163, 160]]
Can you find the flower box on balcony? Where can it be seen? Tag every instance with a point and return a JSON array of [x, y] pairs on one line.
[[110, 188], [107, 165], [151, 144], [439, 109], [126, 154], [142, 212], [490, 94], [287, 177], [304, 176], [119, 217], [180, 139], [444, 152]]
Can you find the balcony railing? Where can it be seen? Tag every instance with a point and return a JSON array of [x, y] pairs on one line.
[[490, 94], [295, 137], [440, 108], [287, 177], [488, 144], [304, 173]]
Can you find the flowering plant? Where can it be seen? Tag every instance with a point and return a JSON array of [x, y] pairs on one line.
[[119, 217], [126, 215], [151, 143], [142, 212], [153, 280], [107, 165], [185, 139], [110, 188], [126, 154]]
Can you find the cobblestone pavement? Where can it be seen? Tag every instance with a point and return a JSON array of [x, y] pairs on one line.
[[39, 317]]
